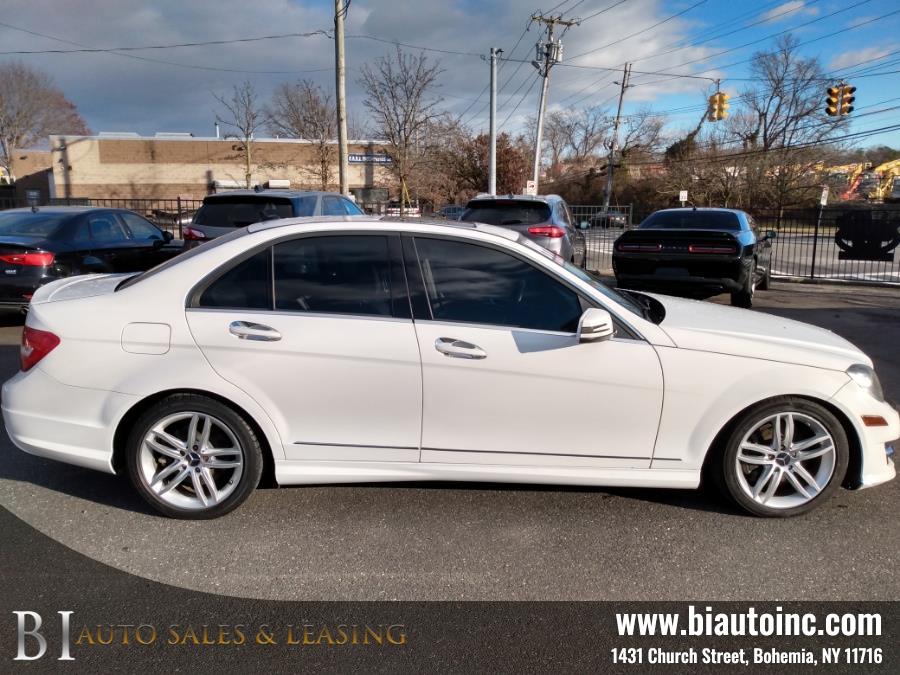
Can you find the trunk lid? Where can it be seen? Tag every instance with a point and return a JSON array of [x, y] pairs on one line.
[[72, 288]]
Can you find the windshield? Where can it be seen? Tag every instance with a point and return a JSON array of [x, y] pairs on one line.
[[242, 211], [626, 301], [506, 212], [692, 220], [30, 224]]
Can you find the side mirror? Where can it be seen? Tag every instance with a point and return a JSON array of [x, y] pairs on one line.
[[771, 234], [595, 325], [167, 236]]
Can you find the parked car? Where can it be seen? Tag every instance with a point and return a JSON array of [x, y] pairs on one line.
[[452, 211], [545, 220], [39, 245], [608, 219], [696, 252], [381, 350], [222, 213]]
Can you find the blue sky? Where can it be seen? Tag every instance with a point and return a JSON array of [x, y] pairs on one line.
[[117, 92]]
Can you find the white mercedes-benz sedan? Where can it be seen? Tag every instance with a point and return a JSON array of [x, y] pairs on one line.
[[331, 351]]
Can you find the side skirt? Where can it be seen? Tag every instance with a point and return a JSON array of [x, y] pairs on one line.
[[312, 473]]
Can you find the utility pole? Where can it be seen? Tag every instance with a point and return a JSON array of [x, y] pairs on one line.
[[615, 139], [340, 11], [547, 54], [492, 161]]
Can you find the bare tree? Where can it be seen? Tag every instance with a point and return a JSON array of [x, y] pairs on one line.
[[304, 110], [242, 112], [31, 108], [785, 110], [573, 137], [399, 96]]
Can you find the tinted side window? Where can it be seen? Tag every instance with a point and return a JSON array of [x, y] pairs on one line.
[[140, 228], [333, 206], [335, 275], [105, 228], [305, 206], [246, 286], [475, 284]]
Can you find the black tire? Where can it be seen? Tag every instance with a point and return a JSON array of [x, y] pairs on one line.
[[766, 280], [723, 466], [744, 297], [251, 453]]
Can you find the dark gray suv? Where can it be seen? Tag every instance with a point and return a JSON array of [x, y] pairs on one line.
[[545, 219], [221, 213]]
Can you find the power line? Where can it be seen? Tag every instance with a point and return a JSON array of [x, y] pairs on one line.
[[207, 43], [644, 30], [524, 96], [164, 62]]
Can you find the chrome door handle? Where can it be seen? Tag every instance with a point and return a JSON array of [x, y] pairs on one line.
[[247, 330], [459, 349]]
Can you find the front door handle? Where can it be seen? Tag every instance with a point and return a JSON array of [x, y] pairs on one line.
[[247, 330], [459, 349]]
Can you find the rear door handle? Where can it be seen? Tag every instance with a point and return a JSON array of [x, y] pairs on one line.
[[459, 349], [247, 330]]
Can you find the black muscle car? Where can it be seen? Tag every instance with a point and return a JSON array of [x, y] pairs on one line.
[[696, 252]]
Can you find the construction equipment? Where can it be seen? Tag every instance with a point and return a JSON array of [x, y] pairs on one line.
[[844, 179], [884, 175]]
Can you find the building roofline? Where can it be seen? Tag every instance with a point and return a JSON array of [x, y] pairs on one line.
[[182, 139]]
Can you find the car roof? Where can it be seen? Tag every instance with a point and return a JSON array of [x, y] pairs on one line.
[[290, 194], [387, 224], [704, 208], [55, 210], [524, 198]]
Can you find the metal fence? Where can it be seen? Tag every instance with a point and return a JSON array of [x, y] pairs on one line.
[[168, 214], [839, 243]]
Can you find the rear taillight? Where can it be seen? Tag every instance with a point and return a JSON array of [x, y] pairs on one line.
[[643, 248], [547, 231], [721, 250], [190, 234], [42, 259], [36, 344]]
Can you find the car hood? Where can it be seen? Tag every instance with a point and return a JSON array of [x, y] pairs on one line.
[[704, 326]]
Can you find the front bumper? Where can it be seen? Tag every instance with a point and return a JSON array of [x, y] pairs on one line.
[[876, 466], [47, 418]]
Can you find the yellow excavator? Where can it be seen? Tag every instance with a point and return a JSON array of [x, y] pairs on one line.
[[887, 175], [844, 179]]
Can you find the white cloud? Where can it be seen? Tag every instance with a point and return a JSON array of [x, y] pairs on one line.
[[789, 10], [120, 93], [851, 58]]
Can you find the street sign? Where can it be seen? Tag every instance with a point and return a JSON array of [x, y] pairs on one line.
[[823, 200], [682, 197], [530, 188]]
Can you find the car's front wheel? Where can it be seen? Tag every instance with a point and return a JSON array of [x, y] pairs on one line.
[[783, 458], [193, 457]]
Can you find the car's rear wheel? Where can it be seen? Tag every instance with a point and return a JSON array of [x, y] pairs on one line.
[[744, 297], [190, 456], [783, 458]]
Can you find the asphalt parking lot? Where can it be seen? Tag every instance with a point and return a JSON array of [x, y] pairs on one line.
[[487, 542]]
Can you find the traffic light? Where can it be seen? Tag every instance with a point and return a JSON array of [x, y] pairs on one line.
[[718, 107], [847, 99], [833, 101], [840, 100]]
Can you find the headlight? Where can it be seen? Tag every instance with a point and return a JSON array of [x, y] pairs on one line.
[[866, 378]]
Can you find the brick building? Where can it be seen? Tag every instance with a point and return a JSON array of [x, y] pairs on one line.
[[167, 166]]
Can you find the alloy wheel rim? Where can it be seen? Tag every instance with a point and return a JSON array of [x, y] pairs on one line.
[[785, 460], [191, 460]]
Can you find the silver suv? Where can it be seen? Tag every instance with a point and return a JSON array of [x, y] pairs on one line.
[[545, 219]]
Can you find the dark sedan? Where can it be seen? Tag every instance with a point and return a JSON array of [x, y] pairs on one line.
[[695, 252], [39, 245]]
